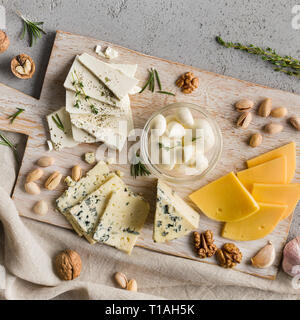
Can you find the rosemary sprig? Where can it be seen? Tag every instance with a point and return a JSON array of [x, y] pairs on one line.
[[15, 115], [34, 29], [157, 79], [139, 169], [5, 142], [58, 122], [166, 92], [147, 82], [286, 64]]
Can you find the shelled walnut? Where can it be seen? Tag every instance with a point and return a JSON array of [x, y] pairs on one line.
[[22, 66], [204, 244], [187, 82], [229, 255]]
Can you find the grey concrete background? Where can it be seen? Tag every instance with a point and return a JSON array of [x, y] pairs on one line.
[[179, 30]]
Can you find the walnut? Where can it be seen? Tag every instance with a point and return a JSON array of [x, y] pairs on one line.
[[229, 255], [187, 82], [204, 244], [22, 66], [68, 264], [4, 41]]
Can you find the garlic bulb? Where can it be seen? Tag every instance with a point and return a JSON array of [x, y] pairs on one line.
[[291, 257], [265, 256]]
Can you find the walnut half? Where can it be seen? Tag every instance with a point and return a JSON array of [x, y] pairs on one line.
[[229, 255], [22, 66], [68, 264], [204, 244]]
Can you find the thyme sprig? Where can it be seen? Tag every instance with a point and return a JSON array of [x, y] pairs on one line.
[[58, 122], [139, 169], [6, 142], [34, 29], [286, 64], [15, 115]]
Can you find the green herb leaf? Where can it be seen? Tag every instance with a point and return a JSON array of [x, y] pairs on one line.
[[94, 109], [58, 122], [5, 142], [166, 92], [157, 79], [15, 115]]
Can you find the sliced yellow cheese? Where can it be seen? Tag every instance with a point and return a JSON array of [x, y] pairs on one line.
[[225, 199], [285, 194], [288, 150], [256, 226], [273, 171]]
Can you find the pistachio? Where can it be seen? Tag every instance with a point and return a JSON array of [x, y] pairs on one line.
[[265, 256], [76, 173], [265, 108], [46, 161], [244, 105], [279, 112], [244, 120], [273, 128], [32, 188], [255, 140], [121, 279], [295, 122], [41, 208], [132, 285], [53, 181], [34, 175]]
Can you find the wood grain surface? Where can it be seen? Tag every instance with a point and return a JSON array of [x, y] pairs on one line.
[[216, 95]]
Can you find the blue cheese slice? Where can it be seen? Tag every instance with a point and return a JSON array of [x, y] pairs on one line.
[[87, 212], [76, 193], [122, 220], [61, 137], [173, 217], [115, 80]]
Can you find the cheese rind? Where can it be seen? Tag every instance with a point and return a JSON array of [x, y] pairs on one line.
[[174, 218], [88, 211], [61, 138], [92, 181], [116, 81], [284, 194], [122, 220], [273, 171], [288, 150], [257, 226], [225, 199]]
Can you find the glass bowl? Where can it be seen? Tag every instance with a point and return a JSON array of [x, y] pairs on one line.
[[213, 155]]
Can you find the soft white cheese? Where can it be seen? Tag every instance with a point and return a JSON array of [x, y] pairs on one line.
[[61, 138], [111, 53]]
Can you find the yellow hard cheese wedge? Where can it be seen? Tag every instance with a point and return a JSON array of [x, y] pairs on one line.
[[256, 226], [285, 194], [225, 199], [273, 171], [288, 150]]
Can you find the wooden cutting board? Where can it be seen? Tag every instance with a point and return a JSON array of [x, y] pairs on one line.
[[216, 95]]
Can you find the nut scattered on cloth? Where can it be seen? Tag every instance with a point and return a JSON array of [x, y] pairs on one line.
[[68, 264], [204, 244], [229, 255]]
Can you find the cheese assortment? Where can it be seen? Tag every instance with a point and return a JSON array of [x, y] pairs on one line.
[[266, 182], [173, 217], [97, 104]]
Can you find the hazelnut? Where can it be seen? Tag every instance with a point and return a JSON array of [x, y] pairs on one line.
[[68, 264], [4, 41], [22, 66]]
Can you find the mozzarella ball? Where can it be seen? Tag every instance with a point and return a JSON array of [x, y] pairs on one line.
[[175, 130], [201, 163], [159, 124], [185, 117], [189, 153], [209, 137]]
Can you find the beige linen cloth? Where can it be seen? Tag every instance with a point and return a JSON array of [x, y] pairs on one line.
[[27, 249]]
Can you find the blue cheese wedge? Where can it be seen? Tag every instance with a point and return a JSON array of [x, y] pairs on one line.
[[87, 212], [77, 192], [173, 217], [61, 136], [122, 220], [91, 85], [116, 81]]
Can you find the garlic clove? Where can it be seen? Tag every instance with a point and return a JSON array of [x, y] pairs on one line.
[[184, 116], [291, 257], [265, 256], [159, 125], [175, 130]]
